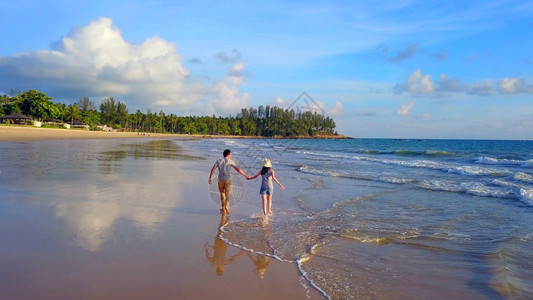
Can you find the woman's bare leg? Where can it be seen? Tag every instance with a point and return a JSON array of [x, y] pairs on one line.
[[264, 198]]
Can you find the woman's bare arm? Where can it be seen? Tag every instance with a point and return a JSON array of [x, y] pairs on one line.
[[274, 177]]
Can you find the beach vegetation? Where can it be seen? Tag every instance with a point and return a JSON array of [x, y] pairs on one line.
[[265, 121]]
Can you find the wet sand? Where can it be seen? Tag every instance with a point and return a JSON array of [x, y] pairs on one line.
[[79, 221]]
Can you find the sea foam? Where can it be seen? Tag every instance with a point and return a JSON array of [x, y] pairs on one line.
[[527, 196]]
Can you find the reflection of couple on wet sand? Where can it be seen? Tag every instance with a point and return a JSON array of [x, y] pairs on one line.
[[218, 260], [261, 262]]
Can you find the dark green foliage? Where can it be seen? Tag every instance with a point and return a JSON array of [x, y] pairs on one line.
[[264, 121]]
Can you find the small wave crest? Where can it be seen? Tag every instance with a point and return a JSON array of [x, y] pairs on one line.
[[425, 153], [526, 196], [377, 177], [520, 176], [502, 161], [474, 170], [474, 188]]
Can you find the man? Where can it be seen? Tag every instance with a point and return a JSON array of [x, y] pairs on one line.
[[224, 178]]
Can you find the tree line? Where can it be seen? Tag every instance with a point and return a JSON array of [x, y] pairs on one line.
[[267, 121]]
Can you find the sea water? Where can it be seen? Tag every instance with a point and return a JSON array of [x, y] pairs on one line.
[[393, 219]]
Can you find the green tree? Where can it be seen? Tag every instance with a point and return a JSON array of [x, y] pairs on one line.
[[122, 115], [33, 103], [85, 104], [108, 111]]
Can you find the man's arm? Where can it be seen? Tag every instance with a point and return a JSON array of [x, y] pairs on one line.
[[241, 172], [212, 171]]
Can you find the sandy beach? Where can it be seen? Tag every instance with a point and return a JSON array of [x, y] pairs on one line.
[[132, 228], [28, 133], [20, 133]]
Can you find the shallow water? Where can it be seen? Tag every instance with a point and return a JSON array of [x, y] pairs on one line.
[[394, 219], [122, 219]]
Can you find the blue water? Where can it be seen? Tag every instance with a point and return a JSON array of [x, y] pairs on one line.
[[395, 219]]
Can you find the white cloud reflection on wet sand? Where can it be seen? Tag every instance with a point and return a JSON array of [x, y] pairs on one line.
[[93, 190]]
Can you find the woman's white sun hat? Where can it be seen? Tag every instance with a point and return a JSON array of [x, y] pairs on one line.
[[266, 163]]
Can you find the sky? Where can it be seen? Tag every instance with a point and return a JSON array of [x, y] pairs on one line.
[[380, 69]]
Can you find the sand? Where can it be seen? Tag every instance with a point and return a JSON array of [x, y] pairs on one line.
[[83, 247], [23, 133], [12, 133]]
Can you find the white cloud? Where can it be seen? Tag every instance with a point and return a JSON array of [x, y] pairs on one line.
[[450, 84], [514, 86], [96, 61], [280, 101], [225, 96], [419, 84], [337, 109], [405, 109], [482, 88]]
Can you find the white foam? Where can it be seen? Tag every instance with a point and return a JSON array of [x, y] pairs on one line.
[[440, 185], [501, 161], [474, 170], [520, 176], [505, 183], [480, 189], [526, 196], [393, 179], [488, 160], [299, 263]]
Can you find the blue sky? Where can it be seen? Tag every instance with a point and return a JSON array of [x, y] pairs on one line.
[[401, 69]]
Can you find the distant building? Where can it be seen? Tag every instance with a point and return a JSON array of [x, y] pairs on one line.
[[15, 119], [78, 124]]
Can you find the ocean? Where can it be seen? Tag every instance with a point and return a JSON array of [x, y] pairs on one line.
[[392, 218], [358, 219]]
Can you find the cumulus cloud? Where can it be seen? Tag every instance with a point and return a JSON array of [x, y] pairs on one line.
[[405, 109], [225, 95], [514, 86], [450, 84], [409, 52], [337, 109], [482, 88], [96, 61], [418, 84]]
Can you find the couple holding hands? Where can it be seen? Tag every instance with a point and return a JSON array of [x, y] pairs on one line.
[[224, 181]]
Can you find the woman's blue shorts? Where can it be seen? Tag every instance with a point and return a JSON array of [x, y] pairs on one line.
[[266, 191]]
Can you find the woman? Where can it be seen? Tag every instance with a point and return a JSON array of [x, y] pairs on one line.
[[267, 188]]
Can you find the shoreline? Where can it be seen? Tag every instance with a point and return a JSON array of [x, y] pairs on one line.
[[28, 133]]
